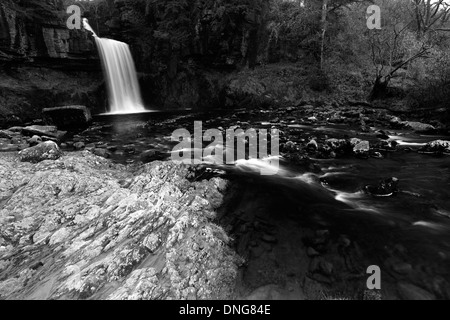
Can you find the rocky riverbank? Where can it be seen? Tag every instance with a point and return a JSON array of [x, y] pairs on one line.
[[76, 225], [82, 227]]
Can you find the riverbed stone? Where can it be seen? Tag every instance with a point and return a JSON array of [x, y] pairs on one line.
[[337, 144], [48, 150], [68, 117], [151, 155], [49, 131], [385, 188], [101, 152], [361, 148], [78, 145], [436, 146], [418, 126], [34, 140], [312, 145]]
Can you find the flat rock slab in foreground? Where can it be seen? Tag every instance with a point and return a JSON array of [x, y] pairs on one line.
[[82, 227]]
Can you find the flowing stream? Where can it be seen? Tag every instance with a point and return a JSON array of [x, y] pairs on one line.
[[407, 235]]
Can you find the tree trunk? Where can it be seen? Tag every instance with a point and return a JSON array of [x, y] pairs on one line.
[[252, 51], [324, 30], [379, 90]]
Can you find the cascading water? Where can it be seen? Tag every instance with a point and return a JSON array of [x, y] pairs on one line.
[[123, 88]]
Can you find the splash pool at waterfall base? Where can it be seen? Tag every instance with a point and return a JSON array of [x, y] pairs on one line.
[[311, 231]]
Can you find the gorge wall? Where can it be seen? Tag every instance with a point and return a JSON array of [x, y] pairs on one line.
[[184, 53], [42, 62]]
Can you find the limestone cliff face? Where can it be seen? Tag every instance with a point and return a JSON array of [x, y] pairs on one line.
[[44, 64], [183, 59], [26, 35]]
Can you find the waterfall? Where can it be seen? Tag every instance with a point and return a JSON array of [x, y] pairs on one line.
[[118, 65]]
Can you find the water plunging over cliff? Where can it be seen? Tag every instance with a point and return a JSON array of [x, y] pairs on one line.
[[123, 88]]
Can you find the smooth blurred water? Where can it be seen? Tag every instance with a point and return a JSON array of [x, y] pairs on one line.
[[410, 227], [120, 72]]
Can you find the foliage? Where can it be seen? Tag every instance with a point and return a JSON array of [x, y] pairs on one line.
[[169, 37], [293, 22], [432, 81]]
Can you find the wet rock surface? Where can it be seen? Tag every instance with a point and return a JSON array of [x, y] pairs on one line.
[[43, 131], [436, 147], [82, 227], [385, 188], [48, 150], [138, 231]]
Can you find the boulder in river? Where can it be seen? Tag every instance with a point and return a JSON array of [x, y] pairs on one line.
[[386, 145], [382, 135], [436, 147], [361, 148], [47, 150], [385, 188], [396, 122], [152, 155], [68, 117], [312, 145], [338, 145], [418, 126]]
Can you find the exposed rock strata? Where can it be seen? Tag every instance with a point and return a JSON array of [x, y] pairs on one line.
[[81, 227]]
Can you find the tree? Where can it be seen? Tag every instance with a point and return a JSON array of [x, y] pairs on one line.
[[215, 28], [324, 23], [308, 23], [395, 46], [430, 15]]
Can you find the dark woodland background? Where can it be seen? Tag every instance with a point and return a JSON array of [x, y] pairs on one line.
[[205, 54]]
